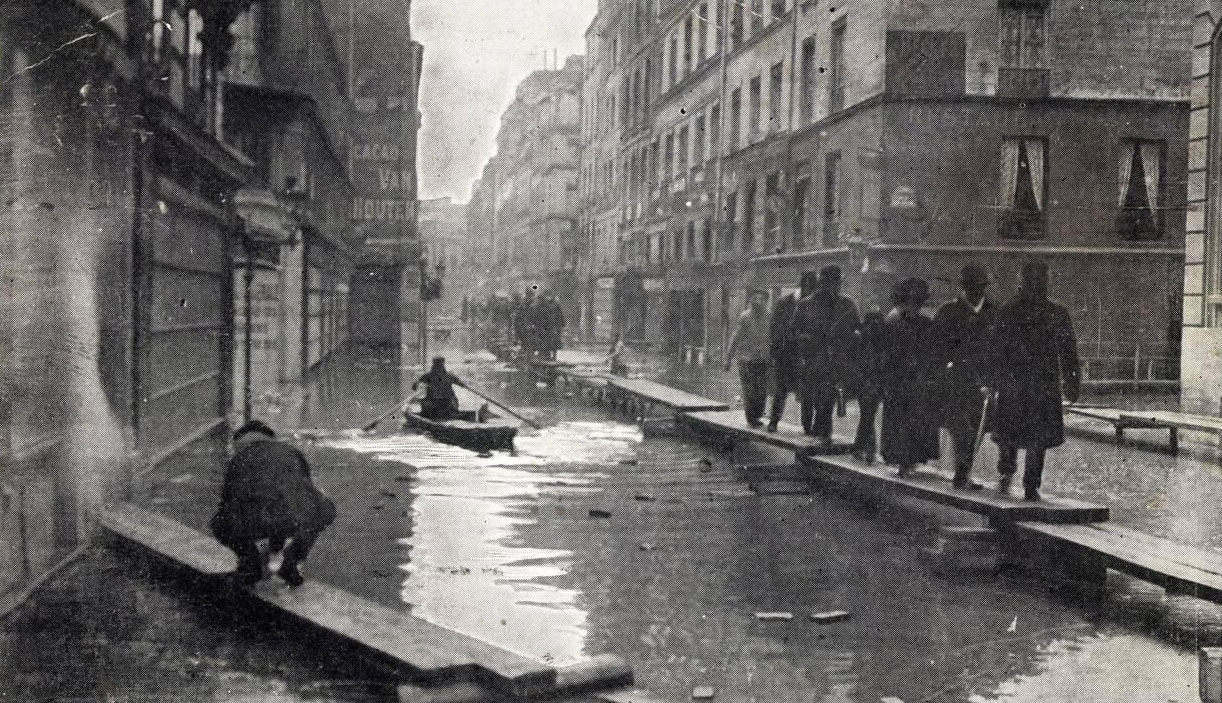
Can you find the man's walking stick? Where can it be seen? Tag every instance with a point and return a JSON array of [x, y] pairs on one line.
[[984, 419]]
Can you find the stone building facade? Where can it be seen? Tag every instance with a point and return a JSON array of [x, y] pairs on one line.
[[899, 139], [531, 184], [1202, 354]]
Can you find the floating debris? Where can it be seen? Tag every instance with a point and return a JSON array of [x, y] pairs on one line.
[[644, 498], [703, 693], [629, 462], [774, 617], [646, 547], [595, 512], [388, 494], [830, 617]]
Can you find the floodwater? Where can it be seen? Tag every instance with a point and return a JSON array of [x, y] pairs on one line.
[[591, 538]]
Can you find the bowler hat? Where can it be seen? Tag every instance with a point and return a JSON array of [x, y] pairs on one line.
[[974, 275]]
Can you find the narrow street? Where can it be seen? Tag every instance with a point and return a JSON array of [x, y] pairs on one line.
[[505, 548]]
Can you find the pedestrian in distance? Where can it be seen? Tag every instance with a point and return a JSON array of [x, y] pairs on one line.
[[439, 402], [1035, 365], [616, 357], [825, 327], [782, 346], [871, 348], [962, 348], [909, 436], [551, 324], [268, 494], [750, 346]]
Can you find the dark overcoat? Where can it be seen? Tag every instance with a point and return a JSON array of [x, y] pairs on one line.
[[267, 491], [1036, 358], [781, 336], [962, 347], [909, 434], [825, 328]]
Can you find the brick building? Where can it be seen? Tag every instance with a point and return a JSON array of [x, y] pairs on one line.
[[899, 139]]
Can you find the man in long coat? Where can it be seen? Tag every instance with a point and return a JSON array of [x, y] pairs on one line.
[[268, 494], [962, 350], [1036, 362], [825, 325], [782, 347]]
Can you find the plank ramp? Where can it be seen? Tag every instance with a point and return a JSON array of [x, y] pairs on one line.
[[732, 423], [584, 378], [653, 393], [1178, 568], [934, 488], [425, 651]]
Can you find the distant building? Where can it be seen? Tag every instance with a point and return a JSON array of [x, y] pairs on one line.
[[532, 184], [765, 139], [443, 234]]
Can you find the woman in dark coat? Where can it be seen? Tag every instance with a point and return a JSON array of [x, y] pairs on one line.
[[909, 436], [1037, 360], [871, 348]]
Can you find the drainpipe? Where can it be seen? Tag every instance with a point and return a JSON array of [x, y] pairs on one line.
[[248, 309]]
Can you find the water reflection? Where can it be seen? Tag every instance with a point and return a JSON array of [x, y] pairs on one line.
[[466, 549]]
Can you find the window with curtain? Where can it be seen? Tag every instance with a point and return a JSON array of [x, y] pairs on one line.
[[800, 190], [749, 217], [1023, 195], [1139, 195]]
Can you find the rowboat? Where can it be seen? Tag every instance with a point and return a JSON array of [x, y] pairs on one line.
[[466, 430]]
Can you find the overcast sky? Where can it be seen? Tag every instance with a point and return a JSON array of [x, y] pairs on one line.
[[475, 53]]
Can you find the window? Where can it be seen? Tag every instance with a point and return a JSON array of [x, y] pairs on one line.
[[669, 171], [674, 61], [683, 152], [776, 78], [715, 131], [736, 108], [836, 80], [757, 16], [718, 30], [753, 104], [691, 239], [736, 24], [687, 45], [727, 242], [706, 240], [1023, 187], [831, 200], [749, 217], [800, 190], [677, 246], [809, 72], [1022, 68], [195, 49], [702, 32], [778, 9], [1141, 185], [772, 226], [1022, 27], [698, 151]]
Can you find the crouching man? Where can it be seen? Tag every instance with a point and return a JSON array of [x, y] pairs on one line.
[[268, 494]]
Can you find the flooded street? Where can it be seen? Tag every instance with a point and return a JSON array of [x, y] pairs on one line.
[[591, 538]]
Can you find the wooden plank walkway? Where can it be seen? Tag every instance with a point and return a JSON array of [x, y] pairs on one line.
[[1178, 568], [1169, 420], [732, 424], [997, 508], [424, 651], [649, 393]]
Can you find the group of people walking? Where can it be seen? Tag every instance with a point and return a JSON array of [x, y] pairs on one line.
[[538, 324], [971, 368]]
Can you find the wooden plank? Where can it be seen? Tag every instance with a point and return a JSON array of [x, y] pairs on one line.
[[936, 489], [1172, 419], [732, 423], [1146, 559], [426, 650], [656, 393]]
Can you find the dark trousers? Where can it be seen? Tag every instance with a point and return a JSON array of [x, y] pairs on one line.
[[818, 404], [964, 442], [786, 383], [753, 374], [300, 537], [1033, 466], [866, 439]]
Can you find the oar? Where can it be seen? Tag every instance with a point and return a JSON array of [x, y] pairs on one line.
[[388, 413], [502, 406]]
